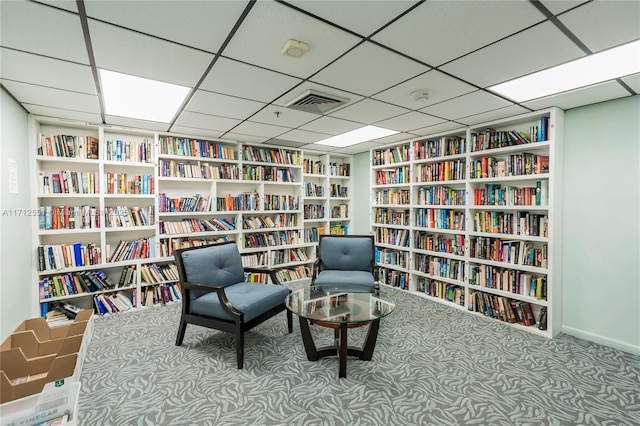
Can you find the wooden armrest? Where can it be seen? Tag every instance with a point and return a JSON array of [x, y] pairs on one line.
[[222, 296], [195, 286]]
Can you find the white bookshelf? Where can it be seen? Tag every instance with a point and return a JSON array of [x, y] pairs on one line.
[[465, 231]]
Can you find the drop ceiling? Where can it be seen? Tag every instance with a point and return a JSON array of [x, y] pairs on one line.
[[373, 53]]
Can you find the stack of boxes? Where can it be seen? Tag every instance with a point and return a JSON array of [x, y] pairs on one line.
[[40, 371]]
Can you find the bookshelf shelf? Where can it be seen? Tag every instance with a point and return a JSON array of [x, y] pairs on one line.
[[498, 176]]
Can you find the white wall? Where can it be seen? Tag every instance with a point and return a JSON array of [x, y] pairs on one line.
[[16, 286], [601, 235]]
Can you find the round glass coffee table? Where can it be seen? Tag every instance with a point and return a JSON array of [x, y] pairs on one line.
[[340, 311]]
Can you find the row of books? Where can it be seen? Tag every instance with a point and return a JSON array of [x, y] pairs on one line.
[[509, 280], [502, 308], [338, 229], [440, 266], [522, 164], [159, 294], [312, 235], [439, 147], [514, 223], [338, 191], [316, 167], [68, 146], [130, 151], [393, 278], [108, 303], [442, 171], [272, 155], [396, 237], [441, 196], [441, 290], [398, 154], [513, 252], [170, 145], [143, 248], [313, 190], [496, 195], [68, 217], [247, 201], [281, 202], [191, 225], [125, 216], [340, 212], [271, 239], [392, 257], [123, 183], [341, 169], [392, 197], [195, 203], [168, 245], [491, 138], [72, 283], [392, 217], [297, 273], [267, 173], [314, 211], [156, 274], [68, 182], [60, 256], [280, 220], [440, 219], [401, 175], [197, 170], [452, 244]]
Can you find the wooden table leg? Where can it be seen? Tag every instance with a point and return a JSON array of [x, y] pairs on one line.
[[370, 341], [307, 340]]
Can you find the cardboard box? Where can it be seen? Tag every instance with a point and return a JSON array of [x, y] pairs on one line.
[[32, 347], [21, 377], [45, 332], [53, 402]]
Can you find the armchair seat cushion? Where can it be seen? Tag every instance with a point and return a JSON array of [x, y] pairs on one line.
[[349, 281], [250, 299]]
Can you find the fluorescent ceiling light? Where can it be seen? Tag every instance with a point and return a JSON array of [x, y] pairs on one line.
[[608, 65], [137, 97], [353, 137]]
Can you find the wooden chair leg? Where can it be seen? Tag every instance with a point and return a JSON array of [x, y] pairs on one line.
[[240, 347], [290, 321], [181, 329]]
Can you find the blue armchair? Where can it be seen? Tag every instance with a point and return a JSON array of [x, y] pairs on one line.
[[215, 293], [345, 263]]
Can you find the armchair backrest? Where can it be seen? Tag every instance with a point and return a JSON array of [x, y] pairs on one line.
[[346, 252], [212, 265]]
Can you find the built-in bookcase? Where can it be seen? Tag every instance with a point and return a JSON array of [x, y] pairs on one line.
[[112, 205], [472, 218]]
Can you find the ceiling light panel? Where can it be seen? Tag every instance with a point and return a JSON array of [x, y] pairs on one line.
[[599, 67], [356, 136], [141, 98]]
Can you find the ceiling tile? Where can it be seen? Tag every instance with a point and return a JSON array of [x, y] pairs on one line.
[[493, 115], [368, 111], [128, 52], [235, 78], [206, 121], [330, 126], [269, 25], [438, 128], [586, 96], [440, 87], [409, 121], [285, 116], [284, 142], [350, 14], [473, 103], [302, 136], [347, 72], [35, 69], [69, 5], [322, 148], [299, 90], [136, 124], [63, 113], [559, 6], [633, 81], [195, 132], [604, 24], [259, 129], [59, 36], [391, 139], [507, 59], [439, 31], [55, 98], [222, 105], [201, 24], [245, 138]]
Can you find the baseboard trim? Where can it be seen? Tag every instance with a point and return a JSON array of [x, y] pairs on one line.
[[602, 340]]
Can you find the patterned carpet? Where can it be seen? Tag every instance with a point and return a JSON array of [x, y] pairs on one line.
[[433, 365]]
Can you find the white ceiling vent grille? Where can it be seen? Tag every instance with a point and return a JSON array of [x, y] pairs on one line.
[[316, 102]]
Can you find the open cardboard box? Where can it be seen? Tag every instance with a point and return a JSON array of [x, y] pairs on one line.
[[44, 332], [21, 377], [31, 347]]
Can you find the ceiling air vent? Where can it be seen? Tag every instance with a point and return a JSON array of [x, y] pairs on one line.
[[316, 102]]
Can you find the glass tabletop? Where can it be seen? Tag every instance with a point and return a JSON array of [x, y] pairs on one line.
[[338, 307]]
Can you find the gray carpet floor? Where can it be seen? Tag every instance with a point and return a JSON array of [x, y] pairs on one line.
[[433, 365]]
